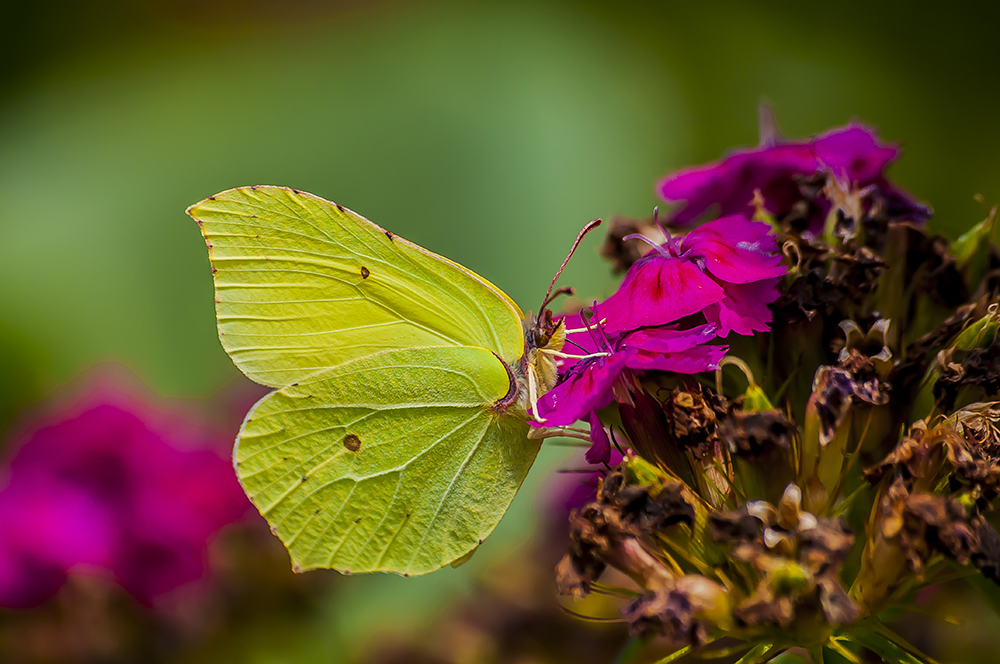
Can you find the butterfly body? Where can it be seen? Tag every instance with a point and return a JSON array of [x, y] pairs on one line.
[[398, 433]]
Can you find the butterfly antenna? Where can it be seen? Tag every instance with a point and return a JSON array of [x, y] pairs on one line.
[[579, 238], [564, 290]]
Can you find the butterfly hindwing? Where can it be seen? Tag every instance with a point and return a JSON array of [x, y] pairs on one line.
[[303, 284], [391, 462]]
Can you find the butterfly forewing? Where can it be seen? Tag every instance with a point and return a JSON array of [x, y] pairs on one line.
[[303, 284], [392, 462]]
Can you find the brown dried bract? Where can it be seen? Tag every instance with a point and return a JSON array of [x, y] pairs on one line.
[[758, 433], [796, 555], [923, 524], [676, 613], [826, 278], [693, 416], [835, 389], [917, 456], [979, 369], [609, 531], [969, 442]]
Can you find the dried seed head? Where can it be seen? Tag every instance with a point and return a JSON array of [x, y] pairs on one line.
[[609, 531], [757, 434]]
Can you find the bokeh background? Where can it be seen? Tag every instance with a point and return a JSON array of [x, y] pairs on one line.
[[487, 132]]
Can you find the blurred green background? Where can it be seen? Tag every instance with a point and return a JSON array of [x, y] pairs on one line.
[[489, 133]]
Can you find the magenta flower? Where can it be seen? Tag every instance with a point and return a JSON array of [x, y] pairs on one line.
[[590, 384], [726, 270], [852, 154], [109, 492]]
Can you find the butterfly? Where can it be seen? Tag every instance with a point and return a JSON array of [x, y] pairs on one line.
[[397, 435]]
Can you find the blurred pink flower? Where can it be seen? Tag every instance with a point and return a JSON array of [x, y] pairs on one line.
[[853, 154], [106, 490]]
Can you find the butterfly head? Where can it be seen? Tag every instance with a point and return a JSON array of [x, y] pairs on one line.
[[538, 370], [544, 337], [543, 341]]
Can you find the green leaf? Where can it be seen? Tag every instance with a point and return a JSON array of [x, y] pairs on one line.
[[972, 249], [674, 656], [758, 654], [882, 645], [790, 658], [632, 649], [755, 400], [987, 589]]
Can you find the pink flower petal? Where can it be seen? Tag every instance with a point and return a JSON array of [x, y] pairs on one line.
[[600, 450], [736, 249], [658, 290], [853, 153], [744, 309], [668, 339], [692, 361], [585, 389], [680, 351], [727, 185]]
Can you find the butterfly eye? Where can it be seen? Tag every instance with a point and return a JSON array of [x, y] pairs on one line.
[[542, 331]]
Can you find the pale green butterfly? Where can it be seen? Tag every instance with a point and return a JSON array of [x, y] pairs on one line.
[[398, 435]]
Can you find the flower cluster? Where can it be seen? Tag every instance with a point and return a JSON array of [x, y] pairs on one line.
[[854, 458], [110, 488], [675, 301]]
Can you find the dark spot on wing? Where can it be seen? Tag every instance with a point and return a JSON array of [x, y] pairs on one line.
[[389, 235], [358, 520], [211, 198], [339, 207], [365, 272], [304, 478], [352, 442]]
